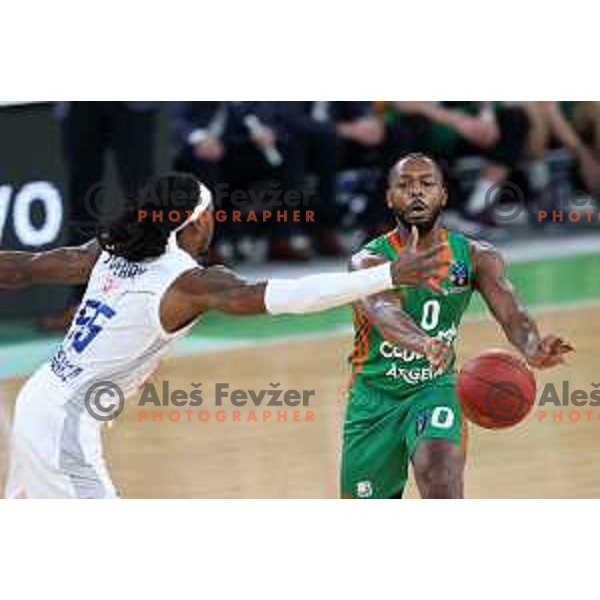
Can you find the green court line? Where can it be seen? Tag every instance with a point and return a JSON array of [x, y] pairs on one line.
[[548, 282]]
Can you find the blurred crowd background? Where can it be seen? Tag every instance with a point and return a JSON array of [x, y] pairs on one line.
[[327, 157], [336, 155]]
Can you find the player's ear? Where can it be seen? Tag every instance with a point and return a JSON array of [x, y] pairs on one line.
[[388, 198], [444, 196], [205, 225]]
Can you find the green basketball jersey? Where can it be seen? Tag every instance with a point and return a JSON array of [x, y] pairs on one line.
[[380, 363]]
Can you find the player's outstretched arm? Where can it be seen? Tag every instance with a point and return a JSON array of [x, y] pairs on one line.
[[518, 324], [61, 265], [220, 289], [385, 311]]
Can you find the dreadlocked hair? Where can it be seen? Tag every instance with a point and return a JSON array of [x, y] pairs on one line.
[[142, 229]]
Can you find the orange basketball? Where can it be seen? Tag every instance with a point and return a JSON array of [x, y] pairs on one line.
[[496, 389]]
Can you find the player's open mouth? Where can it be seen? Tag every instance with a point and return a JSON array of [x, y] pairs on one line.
[[417, 208]]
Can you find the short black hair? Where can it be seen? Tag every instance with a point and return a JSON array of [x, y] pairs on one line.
[[134, 238], [417, 156]]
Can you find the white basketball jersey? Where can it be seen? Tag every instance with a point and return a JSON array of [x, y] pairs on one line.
[[117, 334]]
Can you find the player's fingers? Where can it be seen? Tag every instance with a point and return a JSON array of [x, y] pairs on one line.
[[429, 269], [414, 239], [433, 264], [550, 341], [554, 341], [435, 286], [440, 369], [433, 250], [439, 352], [552, 360], [441, 362], [430, 275], [564, 346], [559, 347]]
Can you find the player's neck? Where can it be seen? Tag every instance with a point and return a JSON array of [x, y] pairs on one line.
[[426, 238]]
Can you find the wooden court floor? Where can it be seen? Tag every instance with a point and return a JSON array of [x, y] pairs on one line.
[[227, 459]]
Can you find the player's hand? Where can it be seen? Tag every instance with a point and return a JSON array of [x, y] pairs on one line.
[[438, 353], [419, 268], [549, 353]]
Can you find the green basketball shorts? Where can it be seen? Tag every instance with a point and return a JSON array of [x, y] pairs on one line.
[[382, 432]]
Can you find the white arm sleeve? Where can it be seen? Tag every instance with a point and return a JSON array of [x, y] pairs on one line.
[[327, 290]]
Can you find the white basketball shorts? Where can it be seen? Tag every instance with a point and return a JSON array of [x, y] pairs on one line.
[[56, 448]]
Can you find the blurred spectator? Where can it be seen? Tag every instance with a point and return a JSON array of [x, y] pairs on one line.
[[572, 125], [240, 144], [337, 135], [587, 123], [451, 130], [88, 130], [199, 128]]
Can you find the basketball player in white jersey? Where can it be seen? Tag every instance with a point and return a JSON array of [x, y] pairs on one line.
[[145, 290]]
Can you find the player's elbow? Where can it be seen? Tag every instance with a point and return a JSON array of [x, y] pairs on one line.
[[242, 300]]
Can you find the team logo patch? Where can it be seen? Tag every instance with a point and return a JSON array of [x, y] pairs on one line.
[[110, 284], [459, 274], [364, 489]]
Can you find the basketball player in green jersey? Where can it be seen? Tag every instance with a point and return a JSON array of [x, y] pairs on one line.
[[402, 403]]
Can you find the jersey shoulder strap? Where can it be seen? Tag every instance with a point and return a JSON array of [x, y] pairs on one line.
[[389, 245], [462, 248]]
